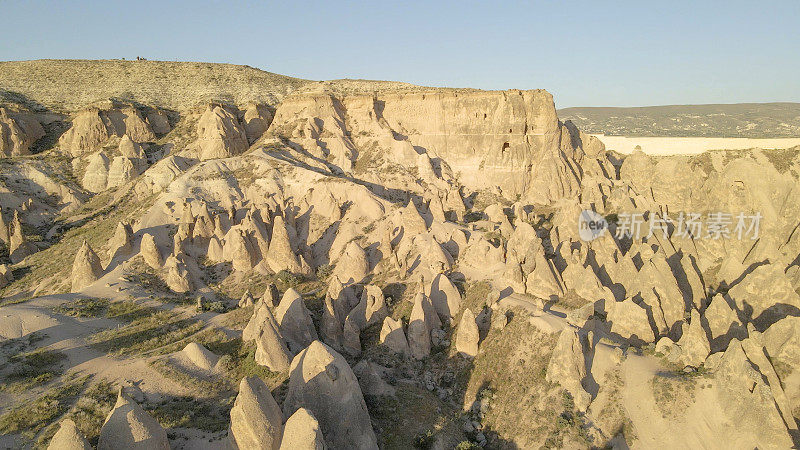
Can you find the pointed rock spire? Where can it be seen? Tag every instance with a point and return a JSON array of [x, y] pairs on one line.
[[256, 419], [86, 269]]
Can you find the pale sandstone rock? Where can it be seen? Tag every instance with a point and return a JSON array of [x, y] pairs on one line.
[[68, 437], [4, 232], [746, 400], [177, 276], [302, 432], [18, 131], [694, 343], [6, 275], [242, 250], [271, 350], [765, 296], [150, 252], [271, 296], [257, 118], [18, 246], [371, 309], [754, 350], [393, 337], [331, 327], [567, 367], [131, 149], [419, 332], [280, 255], [246, 300], [219, 134], [445, 297], [95, 178], [129, 427], [200, 356], [295, 321], [629, 320], [216, 252], [92, 127], [412, 221], [467, 335], [782, 341], [121, 243], [256, 419], [352, 265], [121, 171], [723, 323], [86, 269], [351, 338], [322, 382]]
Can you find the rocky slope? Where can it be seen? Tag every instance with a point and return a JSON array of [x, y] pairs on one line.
[[380, 265]]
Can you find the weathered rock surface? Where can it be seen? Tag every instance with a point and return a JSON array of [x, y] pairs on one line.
[[18, 132], [86, 269], [322, 382], [92, 127], [301, 432], [393, 336], [121, 243], [295, 322], [630, 321], [468, 335], [567, 367], [256, 419], [371, 309], [219, 134], [419, 330], [445, 297], [129, 427], [150, 252], [68, 437]]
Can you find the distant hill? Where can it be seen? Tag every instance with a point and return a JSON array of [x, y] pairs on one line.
[[68, 85], [752, 120]]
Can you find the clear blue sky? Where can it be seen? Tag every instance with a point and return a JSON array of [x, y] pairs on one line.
[[599, 53]]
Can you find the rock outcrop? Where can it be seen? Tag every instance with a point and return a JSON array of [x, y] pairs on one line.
[[301, 432], [121, 243], [393, 336], [150, 252], [445, 297], [468, 335], [280, 255], [419, 330], [68, 437], [567, 367], [18, 132], [295, 322], [256, 419], [322, 382], [219, 134], [129, 427], [86, 269], [92, 127]]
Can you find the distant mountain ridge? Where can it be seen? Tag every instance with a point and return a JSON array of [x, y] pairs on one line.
[[750, 120]]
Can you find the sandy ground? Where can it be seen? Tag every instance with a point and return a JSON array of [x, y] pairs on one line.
[[663, 146]]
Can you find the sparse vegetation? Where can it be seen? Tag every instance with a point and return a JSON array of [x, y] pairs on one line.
[[26, 370], [146, 334], [31, 417]]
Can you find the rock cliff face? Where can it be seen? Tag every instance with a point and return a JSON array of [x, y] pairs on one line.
[[510, 139], [18, 132]]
